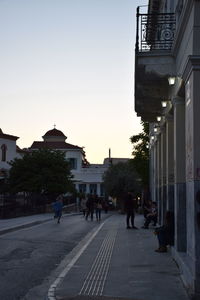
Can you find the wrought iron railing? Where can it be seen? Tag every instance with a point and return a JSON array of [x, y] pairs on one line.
[[155, 31]]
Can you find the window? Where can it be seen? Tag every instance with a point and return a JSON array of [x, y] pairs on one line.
[[93, 188], [73, 163], [82, 188], [3, 152]]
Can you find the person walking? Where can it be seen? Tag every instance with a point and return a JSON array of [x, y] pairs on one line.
[[90, 207], [129, 206], [98, 205], [58, 206], [83, 205]]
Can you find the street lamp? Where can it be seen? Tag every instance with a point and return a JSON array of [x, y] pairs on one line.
[[158, 118], [164, 103], [171, 80]]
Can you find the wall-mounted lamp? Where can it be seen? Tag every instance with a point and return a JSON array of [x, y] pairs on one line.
[[155, 129], [164, 104], [158, 118], [171, 80], [152, 137]]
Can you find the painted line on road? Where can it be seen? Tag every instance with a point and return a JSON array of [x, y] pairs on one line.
[[52, 289]]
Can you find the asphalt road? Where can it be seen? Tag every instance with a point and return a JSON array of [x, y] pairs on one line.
[[29, 257]]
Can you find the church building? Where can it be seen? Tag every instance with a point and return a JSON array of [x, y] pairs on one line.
[[87, 177]]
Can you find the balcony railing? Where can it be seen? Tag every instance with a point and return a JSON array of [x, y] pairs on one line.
[[155, 31]]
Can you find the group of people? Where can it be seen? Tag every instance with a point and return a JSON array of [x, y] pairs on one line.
[[164, 233], [93, 204], [89, 205]]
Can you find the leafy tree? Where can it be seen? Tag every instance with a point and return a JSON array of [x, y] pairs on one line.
[[141, 153], [44, 171], [119, 179]]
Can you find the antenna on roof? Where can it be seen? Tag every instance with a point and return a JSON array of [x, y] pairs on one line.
[[110, 159], [54, 126]]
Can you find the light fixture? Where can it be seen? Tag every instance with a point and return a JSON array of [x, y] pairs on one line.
[[158, 118], [171, 80], [155, 129], [164, 103]]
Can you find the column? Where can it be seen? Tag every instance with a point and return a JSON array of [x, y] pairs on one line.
[[158, 177], [179, 174], [152, 172], [163, 172], [170, 162], [193, 173], [87, 188], [98, 189]]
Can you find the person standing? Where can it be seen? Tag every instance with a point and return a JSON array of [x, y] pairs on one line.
[[130, 210]]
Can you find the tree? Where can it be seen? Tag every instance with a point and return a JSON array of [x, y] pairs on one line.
[[141, 153], [119, 179], [44, 171]]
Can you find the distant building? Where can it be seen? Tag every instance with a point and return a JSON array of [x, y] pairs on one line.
[[88, 178], [8, 151], [114, 161]]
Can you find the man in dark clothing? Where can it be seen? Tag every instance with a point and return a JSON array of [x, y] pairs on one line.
[[130, 210], [90, 207]]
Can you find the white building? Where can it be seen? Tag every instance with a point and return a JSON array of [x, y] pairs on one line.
[[8, 151], [88, 178]]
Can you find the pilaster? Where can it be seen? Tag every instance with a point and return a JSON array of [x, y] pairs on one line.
[[179, 174], [170, 162], [163, 172]]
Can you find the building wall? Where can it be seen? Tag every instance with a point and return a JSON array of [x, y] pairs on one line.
[[10, 153], [76, 155], [178, 179]]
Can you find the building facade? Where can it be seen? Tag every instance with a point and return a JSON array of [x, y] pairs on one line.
[[167, 80], [8, 151], [88, 178]]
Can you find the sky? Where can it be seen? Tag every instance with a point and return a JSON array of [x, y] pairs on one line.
[[69, 63]]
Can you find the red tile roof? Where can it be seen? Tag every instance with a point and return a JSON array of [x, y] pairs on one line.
[[54, 132], [54, 145], [7, 136]]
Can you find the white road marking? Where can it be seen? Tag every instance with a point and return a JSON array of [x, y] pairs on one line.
[[52, 289]]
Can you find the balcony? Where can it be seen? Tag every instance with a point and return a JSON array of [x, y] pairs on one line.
[[154, 62]]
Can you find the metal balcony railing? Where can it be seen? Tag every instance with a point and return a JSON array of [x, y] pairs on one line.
[[155, 31]]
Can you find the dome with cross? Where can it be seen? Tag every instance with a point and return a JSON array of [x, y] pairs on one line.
[[54, 135]]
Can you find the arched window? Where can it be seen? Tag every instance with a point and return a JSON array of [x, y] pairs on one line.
[[3, 152]]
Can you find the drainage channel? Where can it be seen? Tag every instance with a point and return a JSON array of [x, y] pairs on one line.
[[95, 280]]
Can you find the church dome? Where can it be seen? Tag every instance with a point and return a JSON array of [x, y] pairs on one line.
[[54, 134]]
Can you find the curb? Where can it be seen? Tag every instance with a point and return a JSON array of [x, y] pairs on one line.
[[27, 225]]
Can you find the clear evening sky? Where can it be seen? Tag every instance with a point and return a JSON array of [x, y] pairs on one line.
[[69, 63]]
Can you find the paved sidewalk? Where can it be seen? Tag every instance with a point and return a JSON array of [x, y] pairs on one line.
[[13, 224], [117, 263]]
